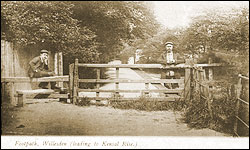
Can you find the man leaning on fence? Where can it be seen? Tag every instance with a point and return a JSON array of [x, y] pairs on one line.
[[38, 67], [168, 57]]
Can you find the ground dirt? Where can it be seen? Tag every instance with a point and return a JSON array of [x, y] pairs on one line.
[[51, 117]]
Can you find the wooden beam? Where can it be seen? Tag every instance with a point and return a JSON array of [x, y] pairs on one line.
[[171, 99], [187, 80], [169, 91], [98, 75], [132, 81], [117, 83], [43, 79], [238, 92], [76, 83], [60, 67], [71, 81], [147, 66]]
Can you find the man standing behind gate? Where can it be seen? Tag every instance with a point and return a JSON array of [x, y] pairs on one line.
[[169, 58]]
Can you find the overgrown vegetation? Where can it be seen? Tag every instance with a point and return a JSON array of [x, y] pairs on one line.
[[145, 104], [197, 113]]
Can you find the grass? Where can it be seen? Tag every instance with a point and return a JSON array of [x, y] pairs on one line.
[[143, 103]]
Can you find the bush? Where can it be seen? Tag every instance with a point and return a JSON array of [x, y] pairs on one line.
[[197, 114], [145, 104]]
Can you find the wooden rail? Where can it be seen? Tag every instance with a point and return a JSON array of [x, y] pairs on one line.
[[240, 101], [74, 78], [22, 94], [179, 66], [131, 81], [43, 79]]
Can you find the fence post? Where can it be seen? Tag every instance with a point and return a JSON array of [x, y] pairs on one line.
[[187, 82], [13, 99], [163, 76], [75, 85], [210, 70], [147, 88], [98, 74], [71, 81], [238, 91], [117, 84], [60, 67], [210, 87]]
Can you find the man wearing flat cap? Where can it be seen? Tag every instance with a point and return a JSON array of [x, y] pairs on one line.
[[168, 57], [38, 67]]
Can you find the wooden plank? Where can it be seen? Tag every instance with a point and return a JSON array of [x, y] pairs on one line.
[[146, 65], [71, 81], [238, 91], [210, 100], [135, 98], [170, 91], [27, 79], [132, 81], [37, 91], [243, 101], [98, 76], [56, 64], [187, 82], [117, 83], [52, 95], [147, 88], [210, 70], [243, 77], [75, 88], [33, 101], [20, 99], [12, 94], [60, 67], [242, 121]]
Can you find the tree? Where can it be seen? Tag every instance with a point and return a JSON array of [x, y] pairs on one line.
[[115, 23], [49, 25]]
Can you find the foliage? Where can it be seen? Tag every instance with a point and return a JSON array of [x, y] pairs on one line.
[[115, 23], [82, 30], [49, 25], [223, 110]]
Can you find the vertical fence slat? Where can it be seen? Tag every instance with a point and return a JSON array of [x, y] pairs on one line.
[[60, 67], [163, 76], [147, 88], [71, 81], [12, 92], [117, 83], [187, 81], [98, 75], [238, 91], [75, 88], [210, 70]]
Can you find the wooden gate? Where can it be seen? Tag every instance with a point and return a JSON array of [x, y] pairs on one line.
[[183, 93]]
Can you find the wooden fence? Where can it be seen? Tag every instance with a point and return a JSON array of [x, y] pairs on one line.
[[201, 82], [241, 125], [74, 81], [11, 81]]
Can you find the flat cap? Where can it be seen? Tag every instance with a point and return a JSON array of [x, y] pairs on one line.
[[169, 43], [44, 51]]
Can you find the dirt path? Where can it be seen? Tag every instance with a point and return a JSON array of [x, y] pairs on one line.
[[57, 118]]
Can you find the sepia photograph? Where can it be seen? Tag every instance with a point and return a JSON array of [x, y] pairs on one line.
[[124, 74]]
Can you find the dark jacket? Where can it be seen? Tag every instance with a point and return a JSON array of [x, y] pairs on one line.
[[36, 64], [178, 59]]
